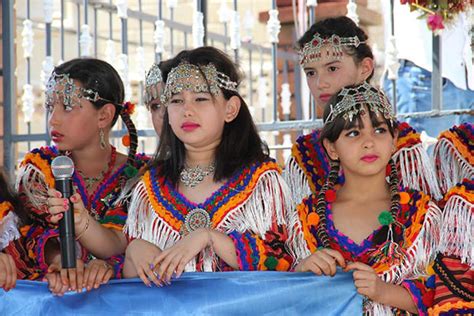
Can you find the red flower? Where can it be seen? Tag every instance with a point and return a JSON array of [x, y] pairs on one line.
[[129, 108], [435, 22]]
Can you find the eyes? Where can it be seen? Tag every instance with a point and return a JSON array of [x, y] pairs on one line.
[[328, 69], [177, 99], [356, 132], [49, 107]]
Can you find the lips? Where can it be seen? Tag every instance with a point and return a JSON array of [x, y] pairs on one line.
[[325, 97], [369, 158], [56, 136], [189, 126]]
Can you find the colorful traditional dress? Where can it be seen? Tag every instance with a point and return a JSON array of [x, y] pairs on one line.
[[308, 166], [250, 208], [35, 177], [403, 262], [454, 266]]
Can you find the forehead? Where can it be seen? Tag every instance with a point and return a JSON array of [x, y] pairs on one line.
[[328, 60]]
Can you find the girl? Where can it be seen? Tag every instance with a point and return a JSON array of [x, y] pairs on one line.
[[84, 99], [153, 89], [334, 53], [212, 199], [386, 234], [11, 214]]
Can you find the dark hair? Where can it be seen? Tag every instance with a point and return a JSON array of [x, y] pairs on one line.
[[240, 145], [7, 194], [101, 77], [331, 131], [343, 27]]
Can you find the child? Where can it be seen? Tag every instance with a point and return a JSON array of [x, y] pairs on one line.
[[386, 234], [84, 99], [11, 213], [212, 199], [153, 89], [334, 53]]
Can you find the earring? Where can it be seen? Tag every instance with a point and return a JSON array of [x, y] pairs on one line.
[[103, 145]]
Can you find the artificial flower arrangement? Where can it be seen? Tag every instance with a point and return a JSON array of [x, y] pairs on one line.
[[438, 13]]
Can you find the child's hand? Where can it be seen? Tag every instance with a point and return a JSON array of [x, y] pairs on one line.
[[322, 262], [173, 260], [367, 281], [58, 205], [72, 278], [96, 273], [7, 272], [55, 283], [139, 261]]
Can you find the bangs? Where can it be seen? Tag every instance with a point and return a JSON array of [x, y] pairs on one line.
[[376, 119]]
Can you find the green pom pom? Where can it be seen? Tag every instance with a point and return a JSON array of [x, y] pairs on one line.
[[386, 218], [271, 263], [130, 171]]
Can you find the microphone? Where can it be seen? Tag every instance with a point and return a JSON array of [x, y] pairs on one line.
[[63, 168]]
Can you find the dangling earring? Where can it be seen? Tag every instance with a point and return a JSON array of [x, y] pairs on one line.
[[103, 145]]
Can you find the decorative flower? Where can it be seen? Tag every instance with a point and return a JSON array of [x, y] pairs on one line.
[[128, 108], [435, 22], [438, 13]]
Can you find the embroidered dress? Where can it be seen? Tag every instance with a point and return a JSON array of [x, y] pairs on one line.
[[308, 166], [35, 177], [250, 208], [406, 267]]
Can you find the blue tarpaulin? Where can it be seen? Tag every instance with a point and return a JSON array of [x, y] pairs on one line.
[[221, 293]]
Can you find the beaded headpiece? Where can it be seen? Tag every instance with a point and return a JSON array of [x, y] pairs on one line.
[[62, 86], [311, 51], [187, 76], [352, 101], [153, 82]]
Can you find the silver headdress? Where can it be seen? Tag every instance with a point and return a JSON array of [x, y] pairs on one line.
[[153, 80], [61, 85], [311, 51], [187, 76], [352, 102]]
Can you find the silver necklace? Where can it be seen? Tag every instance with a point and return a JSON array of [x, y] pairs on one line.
[[192, 176]]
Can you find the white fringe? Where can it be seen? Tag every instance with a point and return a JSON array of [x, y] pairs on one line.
[[8, 229], [457, 230], [422, 251], [376, 309], [416, 168], [33, 184], [297, 181], [453, 166], [269, 200]]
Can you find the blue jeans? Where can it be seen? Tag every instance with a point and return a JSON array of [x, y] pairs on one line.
[[414, 95]]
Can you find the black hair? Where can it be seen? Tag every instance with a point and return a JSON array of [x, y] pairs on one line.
[[101, 77], [343, 27], [331, 131], [240, 145], [7, 194]]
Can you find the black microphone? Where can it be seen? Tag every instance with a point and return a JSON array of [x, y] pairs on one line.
[[63, 168]]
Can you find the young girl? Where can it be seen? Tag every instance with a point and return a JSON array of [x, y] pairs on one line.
[[212, 199], [153, 90], [84, 99], [386, 234], [11, 214], [334, 53]]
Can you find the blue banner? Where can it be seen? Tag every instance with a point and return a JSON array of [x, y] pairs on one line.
[[221, 293]]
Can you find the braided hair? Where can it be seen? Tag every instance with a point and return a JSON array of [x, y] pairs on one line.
[[331, 131]]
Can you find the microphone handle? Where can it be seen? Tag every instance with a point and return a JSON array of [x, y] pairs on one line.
[[67, 235]]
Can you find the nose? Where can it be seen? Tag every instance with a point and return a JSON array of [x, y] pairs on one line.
[[368, 141], [321, 82]]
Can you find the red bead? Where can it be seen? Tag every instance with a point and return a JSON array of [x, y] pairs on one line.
[[330, 195]]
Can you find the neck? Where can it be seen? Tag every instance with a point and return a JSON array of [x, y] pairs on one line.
[[92, 161], [200, 156], [362, 188]]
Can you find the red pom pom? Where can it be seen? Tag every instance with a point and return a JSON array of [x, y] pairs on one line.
[[330, 196]]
